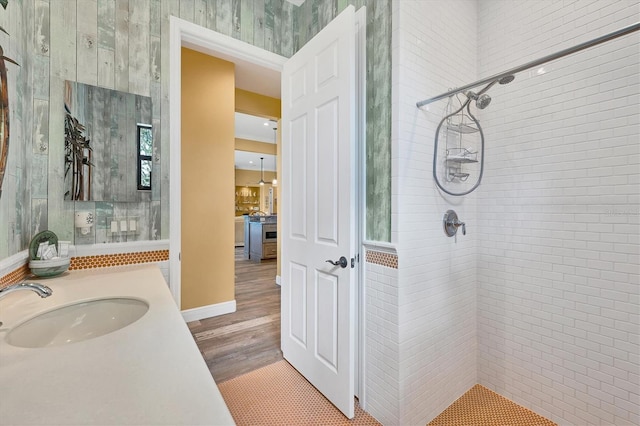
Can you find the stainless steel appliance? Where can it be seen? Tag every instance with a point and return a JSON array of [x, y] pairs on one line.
[[269, 233]]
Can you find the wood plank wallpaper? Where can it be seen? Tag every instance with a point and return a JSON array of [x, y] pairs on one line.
[[124, 45], [309, 19]]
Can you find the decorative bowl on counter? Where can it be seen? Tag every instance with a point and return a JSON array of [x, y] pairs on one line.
[[42, 237], [49, 268]]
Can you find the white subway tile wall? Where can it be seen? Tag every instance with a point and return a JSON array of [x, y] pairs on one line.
[[558, 212], [434, 46], [539, 301], [382, 349]]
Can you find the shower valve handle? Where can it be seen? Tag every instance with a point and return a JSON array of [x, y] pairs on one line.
[[451, 224], [464, 227]]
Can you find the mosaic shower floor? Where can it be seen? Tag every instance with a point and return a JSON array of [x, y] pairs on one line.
[[480, 406], [278, 395]]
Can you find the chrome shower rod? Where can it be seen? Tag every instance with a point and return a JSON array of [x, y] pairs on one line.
[[587, 44]]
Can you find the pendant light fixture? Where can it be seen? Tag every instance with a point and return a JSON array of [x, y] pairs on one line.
[[261, 172]]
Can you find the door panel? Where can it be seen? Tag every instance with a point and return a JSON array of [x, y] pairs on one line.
[[319, 200], [298, 306], [298, 188], [297, 86], [327, 320], [327, 66], [327, 169]]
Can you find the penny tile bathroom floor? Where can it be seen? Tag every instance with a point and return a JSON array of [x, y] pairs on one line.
[[278, 395]]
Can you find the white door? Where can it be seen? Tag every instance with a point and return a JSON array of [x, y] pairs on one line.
[[318, 211]]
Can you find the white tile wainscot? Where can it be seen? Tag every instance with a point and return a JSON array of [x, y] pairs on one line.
[[381, 333]]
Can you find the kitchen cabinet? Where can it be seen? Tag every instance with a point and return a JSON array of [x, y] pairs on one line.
[[262, 240]]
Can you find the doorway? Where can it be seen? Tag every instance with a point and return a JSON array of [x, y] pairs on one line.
[[259, 67], [256, 172], [214, 44]]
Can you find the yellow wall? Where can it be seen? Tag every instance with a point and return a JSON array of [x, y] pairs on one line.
[[255, 146], [251, 177], [260, 105], [208, 198]]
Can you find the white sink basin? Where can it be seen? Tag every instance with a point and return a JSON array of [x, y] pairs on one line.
[[77, 322]]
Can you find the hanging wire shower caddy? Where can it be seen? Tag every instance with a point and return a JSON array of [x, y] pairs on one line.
[[460, 133], [457, 151]]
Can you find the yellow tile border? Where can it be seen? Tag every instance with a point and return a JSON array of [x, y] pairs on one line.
[[389, 260], [91, 262]]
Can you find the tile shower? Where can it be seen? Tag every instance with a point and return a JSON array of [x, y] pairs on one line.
[[539, 301]]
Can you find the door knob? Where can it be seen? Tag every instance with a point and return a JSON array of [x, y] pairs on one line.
[[342, 262]]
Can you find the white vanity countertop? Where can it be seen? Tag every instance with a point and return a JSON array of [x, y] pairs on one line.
[[147, 373]]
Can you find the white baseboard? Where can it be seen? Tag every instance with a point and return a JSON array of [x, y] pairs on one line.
[[209, 311], [278, 280]]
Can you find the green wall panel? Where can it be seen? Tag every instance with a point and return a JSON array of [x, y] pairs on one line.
[[124, 45]]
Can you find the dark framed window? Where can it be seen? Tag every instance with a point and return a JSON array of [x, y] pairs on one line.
[[145, 150]]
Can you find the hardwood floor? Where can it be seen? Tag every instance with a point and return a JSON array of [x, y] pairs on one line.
[[237, 343]]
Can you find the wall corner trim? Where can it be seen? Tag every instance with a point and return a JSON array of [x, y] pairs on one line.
[[380, 246], [14, 262], [209, 311]]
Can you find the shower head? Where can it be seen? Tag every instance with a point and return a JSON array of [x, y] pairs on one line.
[[507, 79], [504, 80], [482, 101]]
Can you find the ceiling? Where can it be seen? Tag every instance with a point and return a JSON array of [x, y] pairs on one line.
[[251, 161], [256, 79], [253, 128], [248, 75]]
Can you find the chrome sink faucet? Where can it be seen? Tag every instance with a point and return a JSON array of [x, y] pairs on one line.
[[40, 289]]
